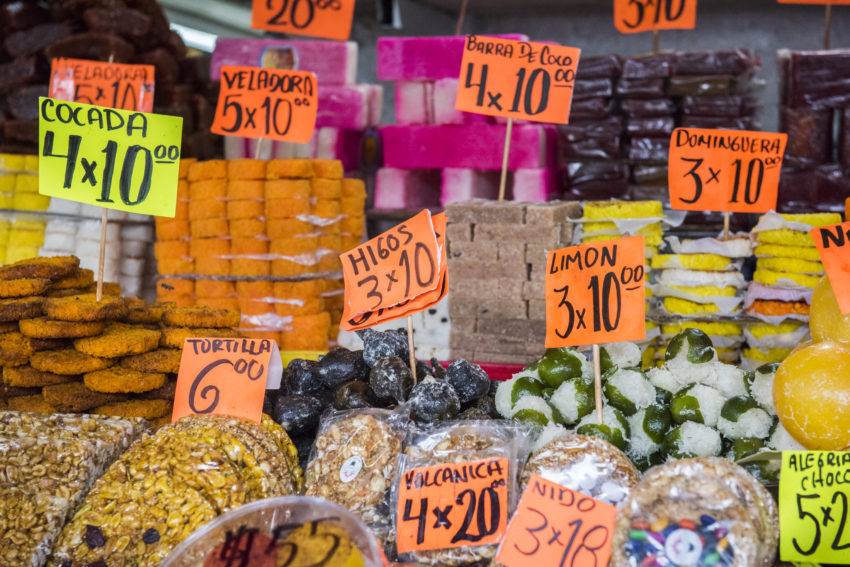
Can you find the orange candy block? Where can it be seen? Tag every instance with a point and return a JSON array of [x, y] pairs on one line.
[[249, 246], [328, 168], [326, 209], [289, 169], [219, 302], [246, 189], [252, 306], [333, 229], [299, 307], [329, 263], [213, 169], [294, 246], [214, 288], [182, 190], [250, 267], [326, 188], [268, 335], [286, 208], [353, 206], [245, 209], [212, 267], [181, 265], [183, 167], [307, 333], [246, 169], [288, 228], [255, 289], [299, 290], [181, 210], [331, 243], [355, 225], [207, 209], [350, 242], [175, 285], [202, 248], [288, 268], [353, 188], [208, 189], [170, 248], [287, 189], [208, 228], [242, 228], [170, 229]]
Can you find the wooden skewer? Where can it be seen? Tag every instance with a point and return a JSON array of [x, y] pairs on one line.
[[503, 181], [410, 347], [100, 261], [727, 220], [597, 382], [827, 26], [461, 16], [656, 41]]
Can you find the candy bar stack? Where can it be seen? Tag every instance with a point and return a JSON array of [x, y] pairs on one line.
[[346, 109], [134, 31], [435, 155], [263, 237], [815, 113], [788, 268], [497, 261]]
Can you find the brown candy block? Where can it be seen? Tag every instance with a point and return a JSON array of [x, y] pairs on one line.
[[536, 309], [481, 211], [124, 22], [23, 103], [533, 290], [33, 40], [475, 269], [510, 308], [474, 288], [92, 45], [464, 325], [519, 233], [17, 72], [458, 231], [512, 253], [21, 15], [166, 68], [553, 212], [483, 251], [21, 130]]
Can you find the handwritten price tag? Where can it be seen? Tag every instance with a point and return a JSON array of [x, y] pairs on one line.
[[389, 270], [556, 526], [634, 16], [595, 293], [733, 171], [128, 87], [814, 489], [330, 19], [419, 303], [517, 79], [453, 505], [266, 103], [821, 2], [108, 157], [833, 244], [226, 377]]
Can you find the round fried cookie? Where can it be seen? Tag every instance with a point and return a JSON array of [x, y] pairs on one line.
[[44, 328], [150, 313], [68, 361], [121, 380], [15, 349], [21, 308], [28, 377], [23, 287], [85, 308], [49, 267], [147, 409], [202, 317], [174, 337], [79, 278], [160, 360], [119, 339]]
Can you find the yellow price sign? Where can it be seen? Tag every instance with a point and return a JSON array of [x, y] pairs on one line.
[[118, 159], [814, 490]]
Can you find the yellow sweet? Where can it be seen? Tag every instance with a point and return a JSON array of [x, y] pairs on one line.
[[812, 395], [826, 322]]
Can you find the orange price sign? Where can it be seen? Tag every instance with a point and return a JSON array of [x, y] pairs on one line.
[[226, 377], [274, 104], [517, 79], [833, 244], [385, 273], [114, 85], [548, 510], [330, 19], [734, 171], [635, 16], [452, 505], [595, 293], [821, 2]]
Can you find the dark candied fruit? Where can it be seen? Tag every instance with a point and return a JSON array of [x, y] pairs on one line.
[[150, 536], [468, 379], [341, 365], [423, 370], [474, 413], [298, 413], [94, 537], [354, 395], [391, 379], [381, 344], [433, 400], [438, 370], [300, 377]]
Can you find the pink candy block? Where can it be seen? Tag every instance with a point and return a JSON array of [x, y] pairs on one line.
[[333, 62], [475, 146], [410, 58], [414, 102], [352, 108], [333, 143], [464, 184], [445, 96], [536, 185], [402, 189]]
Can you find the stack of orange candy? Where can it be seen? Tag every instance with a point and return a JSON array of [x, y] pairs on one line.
[[263, 237]]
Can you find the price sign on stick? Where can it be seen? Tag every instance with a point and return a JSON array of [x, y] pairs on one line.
[[266, 103], [595, 293], [226, 377], [330, 19], [725, 170], [833, 244], [821, 2], [453, 505], [814, 505], [517, 79], [634, 16], [128, 87], [555, 526], [390, 270], [111, 158]]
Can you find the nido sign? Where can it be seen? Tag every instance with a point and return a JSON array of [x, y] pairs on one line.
[[833, 244]]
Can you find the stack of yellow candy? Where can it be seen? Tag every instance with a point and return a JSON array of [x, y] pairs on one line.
[[20, 235], [263, 237]]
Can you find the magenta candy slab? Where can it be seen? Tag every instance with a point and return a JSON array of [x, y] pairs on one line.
[[402, 188]]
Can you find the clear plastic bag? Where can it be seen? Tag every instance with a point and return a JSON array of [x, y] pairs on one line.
[[732, 62], [719, 106], [658, 66], [461, 442], [648, 108], [35, 519], [649, 127], [640, 88], [809, 135], [599, 67], [591, 88]]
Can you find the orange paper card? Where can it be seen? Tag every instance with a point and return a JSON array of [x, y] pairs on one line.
[[821, 2], [517, 79], [420, 303], [734, 171], [276, 104], [453, 505], [595, 293], [397, 266], [556, 526], [226, 377], [833, 244], [115, 85], [634, 16], [330, 19]]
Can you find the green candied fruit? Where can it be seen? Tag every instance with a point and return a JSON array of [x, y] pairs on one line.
[[532, 419], [698, 344], [573, 400], [684, 407], [769, 368], [692, 440], [619, 400], [645, 463], [741, 448], [559, 364], [662, 396], [613, 435], [656, 422], [606, 365], [547, 393], [735, 407], [765, 472], [525, 386]]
